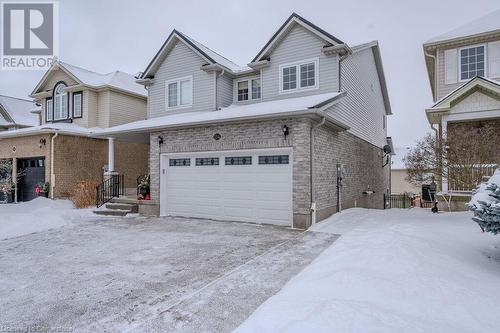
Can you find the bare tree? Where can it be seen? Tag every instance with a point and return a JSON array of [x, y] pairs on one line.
[[464, 156]]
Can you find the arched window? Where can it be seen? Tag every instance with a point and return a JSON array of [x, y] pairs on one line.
[[60, 102]]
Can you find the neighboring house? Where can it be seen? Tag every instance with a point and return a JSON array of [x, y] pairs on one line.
[[464, 71], [399, 183], [60, 150], [265, 142], [17, 113]]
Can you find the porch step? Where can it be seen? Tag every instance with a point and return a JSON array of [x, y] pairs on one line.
[[119, 207], [114, 212], [131, 208], [125, 200]]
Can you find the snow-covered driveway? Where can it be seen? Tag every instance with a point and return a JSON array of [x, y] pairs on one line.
[[392, 271], [147, 274]]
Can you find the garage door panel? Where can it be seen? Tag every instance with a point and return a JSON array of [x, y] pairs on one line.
[[250, 193]]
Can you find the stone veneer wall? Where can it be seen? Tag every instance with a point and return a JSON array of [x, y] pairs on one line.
[[361, 160]]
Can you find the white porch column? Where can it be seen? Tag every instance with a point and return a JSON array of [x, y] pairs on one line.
[[111, 155]]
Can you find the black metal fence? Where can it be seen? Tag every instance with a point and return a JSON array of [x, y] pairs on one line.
[[398, 201], [111, 188]]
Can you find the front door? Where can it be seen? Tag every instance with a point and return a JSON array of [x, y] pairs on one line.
[[32, 171]]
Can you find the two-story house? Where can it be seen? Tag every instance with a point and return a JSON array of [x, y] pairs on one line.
[[59, 151], [464, 72], [289, 139]]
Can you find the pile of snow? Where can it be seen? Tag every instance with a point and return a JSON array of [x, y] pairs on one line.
[[37, 215], [392, 271], [485, 203]]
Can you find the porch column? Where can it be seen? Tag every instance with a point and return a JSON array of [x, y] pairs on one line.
[[14, 177], [111, 155]]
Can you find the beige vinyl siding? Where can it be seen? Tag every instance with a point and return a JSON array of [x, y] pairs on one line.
[[103, 99], [224, 90], [90, 107], [477, 101], [58, 75], [180, 62], [362, 109], [298, 45], [125, 109]]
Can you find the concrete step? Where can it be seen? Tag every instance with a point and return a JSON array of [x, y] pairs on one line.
[[111, 212], [125, 200], [130, 207]]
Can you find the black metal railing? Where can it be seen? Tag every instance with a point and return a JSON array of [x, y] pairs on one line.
[[398, 201], [111, 188]]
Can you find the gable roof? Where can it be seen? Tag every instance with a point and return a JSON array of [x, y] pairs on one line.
[[203, 51], [489, 23], [291, 21], [117, 79], [17, 111], [444, 104]]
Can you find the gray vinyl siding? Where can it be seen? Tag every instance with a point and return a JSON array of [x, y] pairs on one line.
[[180, 62], [224, 90], [298, 45], [234, 89], [443, 88], [362, 109]]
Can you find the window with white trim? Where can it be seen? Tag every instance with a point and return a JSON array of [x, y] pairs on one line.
[[77, 104], [179, 92], [48, 109], [248, 89], [472, 62], [60, 102], [299, 76]]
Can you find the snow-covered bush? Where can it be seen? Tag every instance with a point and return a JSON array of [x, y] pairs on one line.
[[485, 204]]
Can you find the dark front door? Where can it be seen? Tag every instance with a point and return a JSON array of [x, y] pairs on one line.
[[32, 172]]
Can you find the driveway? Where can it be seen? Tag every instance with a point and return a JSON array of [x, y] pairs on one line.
[[148, 274]]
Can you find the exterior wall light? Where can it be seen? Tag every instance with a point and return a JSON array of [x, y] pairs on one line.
[[160, 140], [42, 143], [285, 131]]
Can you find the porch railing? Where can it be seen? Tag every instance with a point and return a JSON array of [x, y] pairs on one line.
[[111, 188]]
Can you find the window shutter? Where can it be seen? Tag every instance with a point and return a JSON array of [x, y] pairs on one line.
[[450, 66], [493, 60]]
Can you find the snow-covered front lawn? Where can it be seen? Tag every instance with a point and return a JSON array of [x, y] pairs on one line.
[[37, 215], [392, 271]]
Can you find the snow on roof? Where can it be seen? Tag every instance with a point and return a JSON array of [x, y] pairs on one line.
[[232, 112], [19, 110], [495, 82], [487, 23], [63, 128], [116, 79], [221, 60]]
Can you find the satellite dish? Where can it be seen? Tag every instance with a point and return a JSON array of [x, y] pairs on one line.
[[387, 149]]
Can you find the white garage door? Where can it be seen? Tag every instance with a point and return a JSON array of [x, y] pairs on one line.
[[250, 185]]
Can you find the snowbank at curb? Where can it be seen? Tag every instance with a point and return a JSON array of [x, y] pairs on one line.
[[396, 271], [37, 215]]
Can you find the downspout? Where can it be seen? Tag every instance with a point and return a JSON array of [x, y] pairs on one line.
[[52, 175], [311, 166], [216, 76]]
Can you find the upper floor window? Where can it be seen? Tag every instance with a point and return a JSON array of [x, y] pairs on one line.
[[472, 60], [299, 76], [179, 92], [77, 104], [48, 109], [248, 89], [60, 101]]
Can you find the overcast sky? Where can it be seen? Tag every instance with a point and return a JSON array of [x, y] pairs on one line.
[[105, 35]]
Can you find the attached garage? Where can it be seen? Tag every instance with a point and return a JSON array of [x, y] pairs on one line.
[[243, 185]]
